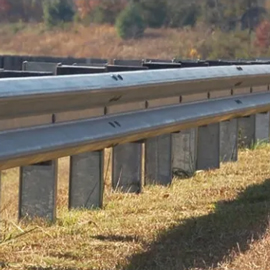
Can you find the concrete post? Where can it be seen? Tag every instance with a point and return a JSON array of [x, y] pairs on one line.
[[158, 160], [262, 127], [184, 152], [127, 167], [253, 129], [40, 66], [208, 147], [246, 126], [229, 140], [86, 180], [38, 189], [11, 62]]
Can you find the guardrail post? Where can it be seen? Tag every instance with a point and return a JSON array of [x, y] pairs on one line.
[[229, 140], [184, 152], [86, 180], [86, 170], [253, 129], [2, 61], [40, 66], [12, 62], [127, 167], [158, 160], [208, 147], [246, 127], [38, 189], [262, 127]]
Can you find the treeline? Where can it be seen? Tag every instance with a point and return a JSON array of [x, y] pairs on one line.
[[225, 14]]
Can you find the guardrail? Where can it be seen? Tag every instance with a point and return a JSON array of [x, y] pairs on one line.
[[187, 119]]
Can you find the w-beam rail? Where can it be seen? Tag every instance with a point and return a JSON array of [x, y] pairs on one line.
[[186, 119]]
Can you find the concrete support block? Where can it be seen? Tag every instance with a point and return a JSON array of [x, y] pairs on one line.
[[127, 62], [127, 167], [184, 152], [12, 62], [262, 127], [98, 61], [253, 129], [86, 180], [39, 66], [246, 131], [208, 147], [229, 140], [158, 160], [2, 61], [38, 189]]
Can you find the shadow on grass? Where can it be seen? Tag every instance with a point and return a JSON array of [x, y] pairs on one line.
[[206, 241]]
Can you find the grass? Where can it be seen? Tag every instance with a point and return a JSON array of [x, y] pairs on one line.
[[215, 220], [101, 41], [81, 41]]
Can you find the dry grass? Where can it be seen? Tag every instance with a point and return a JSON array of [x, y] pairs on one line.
[[215, 220], [97, 41]]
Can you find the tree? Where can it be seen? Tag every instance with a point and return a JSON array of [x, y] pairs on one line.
[[100, 11], [24, 10], [183, 13], [85, 7], [4, 6], [154, 12], [130, 23], [107, 11], [57, 11], [262, 40]]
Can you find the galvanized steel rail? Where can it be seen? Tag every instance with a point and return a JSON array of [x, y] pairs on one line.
[[187, 119], [77, 92], [42, 143]]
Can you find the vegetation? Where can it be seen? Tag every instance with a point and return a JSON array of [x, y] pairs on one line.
[[154, 12], [101, 41], [130, 23], [228, 15], [57, 12], [215, 220]]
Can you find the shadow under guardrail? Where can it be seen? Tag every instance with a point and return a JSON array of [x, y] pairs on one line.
[[206, 241]]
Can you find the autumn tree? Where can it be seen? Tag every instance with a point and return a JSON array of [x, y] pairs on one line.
[[85, 7], [183, 13], [57, 12], [24, 10], [100, 11], [262, 33], [154, 12], [130, 23]]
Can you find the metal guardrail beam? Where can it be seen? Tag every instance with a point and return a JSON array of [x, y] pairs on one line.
[[17, 74], [32, 145], [179, 138], [35, 96]]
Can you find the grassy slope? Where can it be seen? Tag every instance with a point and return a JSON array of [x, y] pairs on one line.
[[95, 41], [215, 220]]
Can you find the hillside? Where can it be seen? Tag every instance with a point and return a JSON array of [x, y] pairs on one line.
[[216, 220], [101, 41]]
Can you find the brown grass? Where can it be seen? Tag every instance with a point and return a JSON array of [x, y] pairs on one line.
[[215, 220], [97, 41]]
